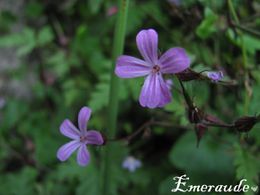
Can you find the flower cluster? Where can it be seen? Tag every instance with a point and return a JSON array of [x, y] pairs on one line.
[[155, 93]]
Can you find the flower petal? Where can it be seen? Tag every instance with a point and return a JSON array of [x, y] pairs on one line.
[[174, 60], [215, 76], [129, 67], [147, 43], [83, 117], [66, 150], [69, 130], [94, 137], [83, 155], [154, 92], [166, 93]]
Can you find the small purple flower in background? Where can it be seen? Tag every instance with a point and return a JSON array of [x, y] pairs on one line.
[[169, 83], [81, 137], [131, 163], [215, 76], [112, 10], [155, 92]]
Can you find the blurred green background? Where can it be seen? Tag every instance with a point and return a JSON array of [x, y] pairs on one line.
[[55, 57]]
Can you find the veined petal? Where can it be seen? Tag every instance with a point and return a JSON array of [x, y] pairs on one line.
[[83, 155], [94, 137], [83, 117], [66, 150], [166, 96], [154, 92], [147, 43], [174, 60], [69, 130], [149, 96], [130, 67]]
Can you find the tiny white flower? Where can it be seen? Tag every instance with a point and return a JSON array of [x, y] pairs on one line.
[[131, 163]]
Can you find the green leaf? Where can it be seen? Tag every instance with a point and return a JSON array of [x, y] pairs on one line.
[[251, 43], [73, 89], [6, 20], [21, 183], [70, 170], [207, 160], [58, 63], [134, 86], [27, 40], [45, 36], [11, 116], [43, 155], [99, 96], [33, 9], [207, 26], [166, 186], [248, 167]]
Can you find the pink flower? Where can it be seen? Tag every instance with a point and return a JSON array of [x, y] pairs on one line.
[[155, 92], [80, 138]]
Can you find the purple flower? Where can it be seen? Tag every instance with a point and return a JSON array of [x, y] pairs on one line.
[[80, 138], [131, 163], [215, 76], [155, 92]]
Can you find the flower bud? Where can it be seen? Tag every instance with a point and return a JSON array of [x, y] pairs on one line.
[[245, 124], [195, 115], [200, 130]]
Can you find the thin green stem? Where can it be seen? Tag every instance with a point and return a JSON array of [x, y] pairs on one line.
[[244, 54], [119, 38], [248, 30], [232, 10], [258, 118], [234, 15]]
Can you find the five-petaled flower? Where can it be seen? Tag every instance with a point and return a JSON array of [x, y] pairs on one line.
[[155, 92], [81, 137]]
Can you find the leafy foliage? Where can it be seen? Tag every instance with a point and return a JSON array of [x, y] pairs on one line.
[[63, 62], [247, 166]]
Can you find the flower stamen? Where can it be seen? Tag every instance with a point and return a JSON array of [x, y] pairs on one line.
[[83, 138], [156, 69]]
